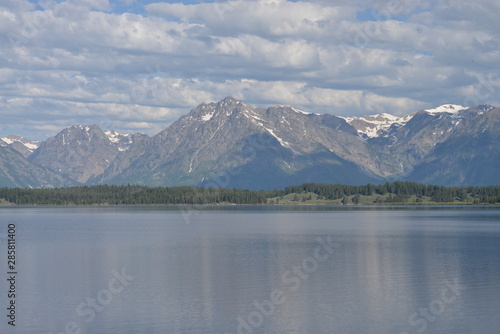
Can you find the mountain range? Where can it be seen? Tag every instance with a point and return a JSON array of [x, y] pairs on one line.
[[231, 144]]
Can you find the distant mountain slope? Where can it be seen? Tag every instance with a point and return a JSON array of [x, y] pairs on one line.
[[78, 152], [404, 148], [24, 146], [82, 152], [470, 154], [16, 171], [231, 144]]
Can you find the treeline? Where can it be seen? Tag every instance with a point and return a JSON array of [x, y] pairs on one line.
[[392, 192], [399, 192], [130, 195]]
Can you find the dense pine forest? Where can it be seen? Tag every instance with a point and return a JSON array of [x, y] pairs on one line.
[[130, 195], [309, 193]]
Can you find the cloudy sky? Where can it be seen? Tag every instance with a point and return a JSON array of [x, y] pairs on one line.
[[139, 65]]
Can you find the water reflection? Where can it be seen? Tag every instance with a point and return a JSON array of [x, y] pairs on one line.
[[218, 273]]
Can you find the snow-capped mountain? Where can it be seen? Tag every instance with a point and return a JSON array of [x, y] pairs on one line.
[[24, 146], [464, 147], [288, 147], [82, 152], [378, 125], [231, 144]]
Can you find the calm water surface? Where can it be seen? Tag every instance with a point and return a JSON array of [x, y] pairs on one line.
[[254, 270]]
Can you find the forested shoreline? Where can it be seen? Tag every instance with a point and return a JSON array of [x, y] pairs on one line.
[[310, 193]]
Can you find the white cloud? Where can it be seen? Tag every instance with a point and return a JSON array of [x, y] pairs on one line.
[[262, 17], [17, 5], [134, 71], [91, 4]]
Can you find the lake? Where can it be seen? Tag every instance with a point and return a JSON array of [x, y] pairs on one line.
[[250, 269]]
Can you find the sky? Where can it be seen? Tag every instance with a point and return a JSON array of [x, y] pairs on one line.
[[140, 65]]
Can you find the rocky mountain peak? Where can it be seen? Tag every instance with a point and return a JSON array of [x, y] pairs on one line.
[[20, 144], [231, 144], [79, 132], [79, 152], [224, 108]]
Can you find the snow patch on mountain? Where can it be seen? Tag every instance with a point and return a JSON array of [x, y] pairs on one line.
[[281, 141], [123, 141], [112, 136], [376, 125], [30, 145], [208, 116], [445, 108], [7, 140], [251, 115], [300, 111]]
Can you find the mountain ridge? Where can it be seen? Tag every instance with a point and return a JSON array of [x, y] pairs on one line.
[[231, 144]]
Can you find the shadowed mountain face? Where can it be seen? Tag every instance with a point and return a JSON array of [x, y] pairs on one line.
[[16, 171], [469, 155], [231, 144], [22, 145]]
